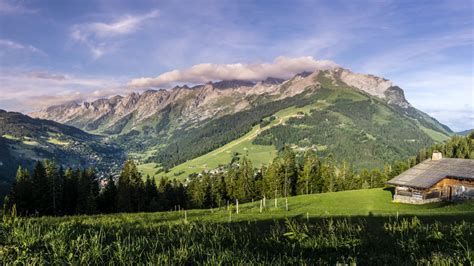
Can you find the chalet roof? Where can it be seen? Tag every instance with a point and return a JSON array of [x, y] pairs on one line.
[[429, 172]]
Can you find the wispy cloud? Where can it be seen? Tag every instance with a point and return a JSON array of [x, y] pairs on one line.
[[11, 45], [46, 75], [97, 34], [7, 7], [33, 90], [282, 67], [416, 51]]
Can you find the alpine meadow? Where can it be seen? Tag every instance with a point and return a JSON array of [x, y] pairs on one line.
[[236, 133]]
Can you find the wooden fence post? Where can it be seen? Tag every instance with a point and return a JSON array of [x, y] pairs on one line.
[[237, 205], [276, 201]]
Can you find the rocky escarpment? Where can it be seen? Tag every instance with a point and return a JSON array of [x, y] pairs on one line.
[[190, 105]]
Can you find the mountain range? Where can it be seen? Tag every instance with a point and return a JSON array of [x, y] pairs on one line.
[[360, 118]]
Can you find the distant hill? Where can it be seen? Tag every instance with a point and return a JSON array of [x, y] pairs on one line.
[[356, 117], [465, 132], [24, 140]]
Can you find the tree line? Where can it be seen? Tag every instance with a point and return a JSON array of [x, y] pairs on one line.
[[293, 173], [50, 190]]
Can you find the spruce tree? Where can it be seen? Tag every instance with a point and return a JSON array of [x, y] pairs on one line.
[[70, 190], [41, 196], [308, 173], [20, 193], [151, 195], [130, 191], [55, 181], [109, 196]]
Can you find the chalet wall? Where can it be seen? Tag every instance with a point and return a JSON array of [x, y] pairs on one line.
[[413, 200], [446, 189], [455, 189]]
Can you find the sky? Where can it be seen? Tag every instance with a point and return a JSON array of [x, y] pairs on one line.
[[53, 52]]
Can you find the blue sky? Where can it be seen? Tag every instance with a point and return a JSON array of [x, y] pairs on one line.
[[56, 51]]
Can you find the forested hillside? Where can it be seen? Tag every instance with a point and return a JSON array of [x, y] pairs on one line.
[[24, 140]]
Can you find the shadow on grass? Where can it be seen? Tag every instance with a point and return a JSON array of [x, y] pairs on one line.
[[391, 189]]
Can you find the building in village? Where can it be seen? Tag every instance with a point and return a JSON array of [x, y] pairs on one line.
[[435, 179]]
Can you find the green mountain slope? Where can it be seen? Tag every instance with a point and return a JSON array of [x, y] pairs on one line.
[[360, 118], [24, 140], [350, 124]]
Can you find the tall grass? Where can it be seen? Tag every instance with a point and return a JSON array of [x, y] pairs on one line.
[[363, 240]]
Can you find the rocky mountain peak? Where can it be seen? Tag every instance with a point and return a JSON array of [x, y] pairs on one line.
[[212, 99]]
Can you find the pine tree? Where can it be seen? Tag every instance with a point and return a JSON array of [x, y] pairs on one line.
[[271, 180], [246, 180], [20, 193], [307, 176], [219, 190], [151, 196], [55, 181], [41, 196], [69, 198], [108, 197], [88, 190], [208, 201], [327, 172], [196, 193], [290, 174], [124, 193]]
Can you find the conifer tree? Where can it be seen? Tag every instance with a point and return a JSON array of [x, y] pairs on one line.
[[69, 199], [308, 175], [108, 197], [20, 193], [41, 196], [124, 188], [151, 195], [55, 181], [290, 174]]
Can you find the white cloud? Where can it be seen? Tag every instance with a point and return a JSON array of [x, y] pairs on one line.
[[282, 67], [9, 44], [96, 35]]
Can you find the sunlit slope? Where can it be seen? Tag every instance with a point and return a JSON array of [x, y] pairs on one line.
[[364, 202], [347, 123]]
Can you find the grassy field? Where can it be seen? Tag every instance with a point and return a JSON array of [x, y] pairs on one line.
[[361, 226], [364, 202]]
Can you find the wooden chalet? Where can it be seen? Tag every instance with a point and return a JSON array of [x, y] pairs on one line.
[[435, 179]]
